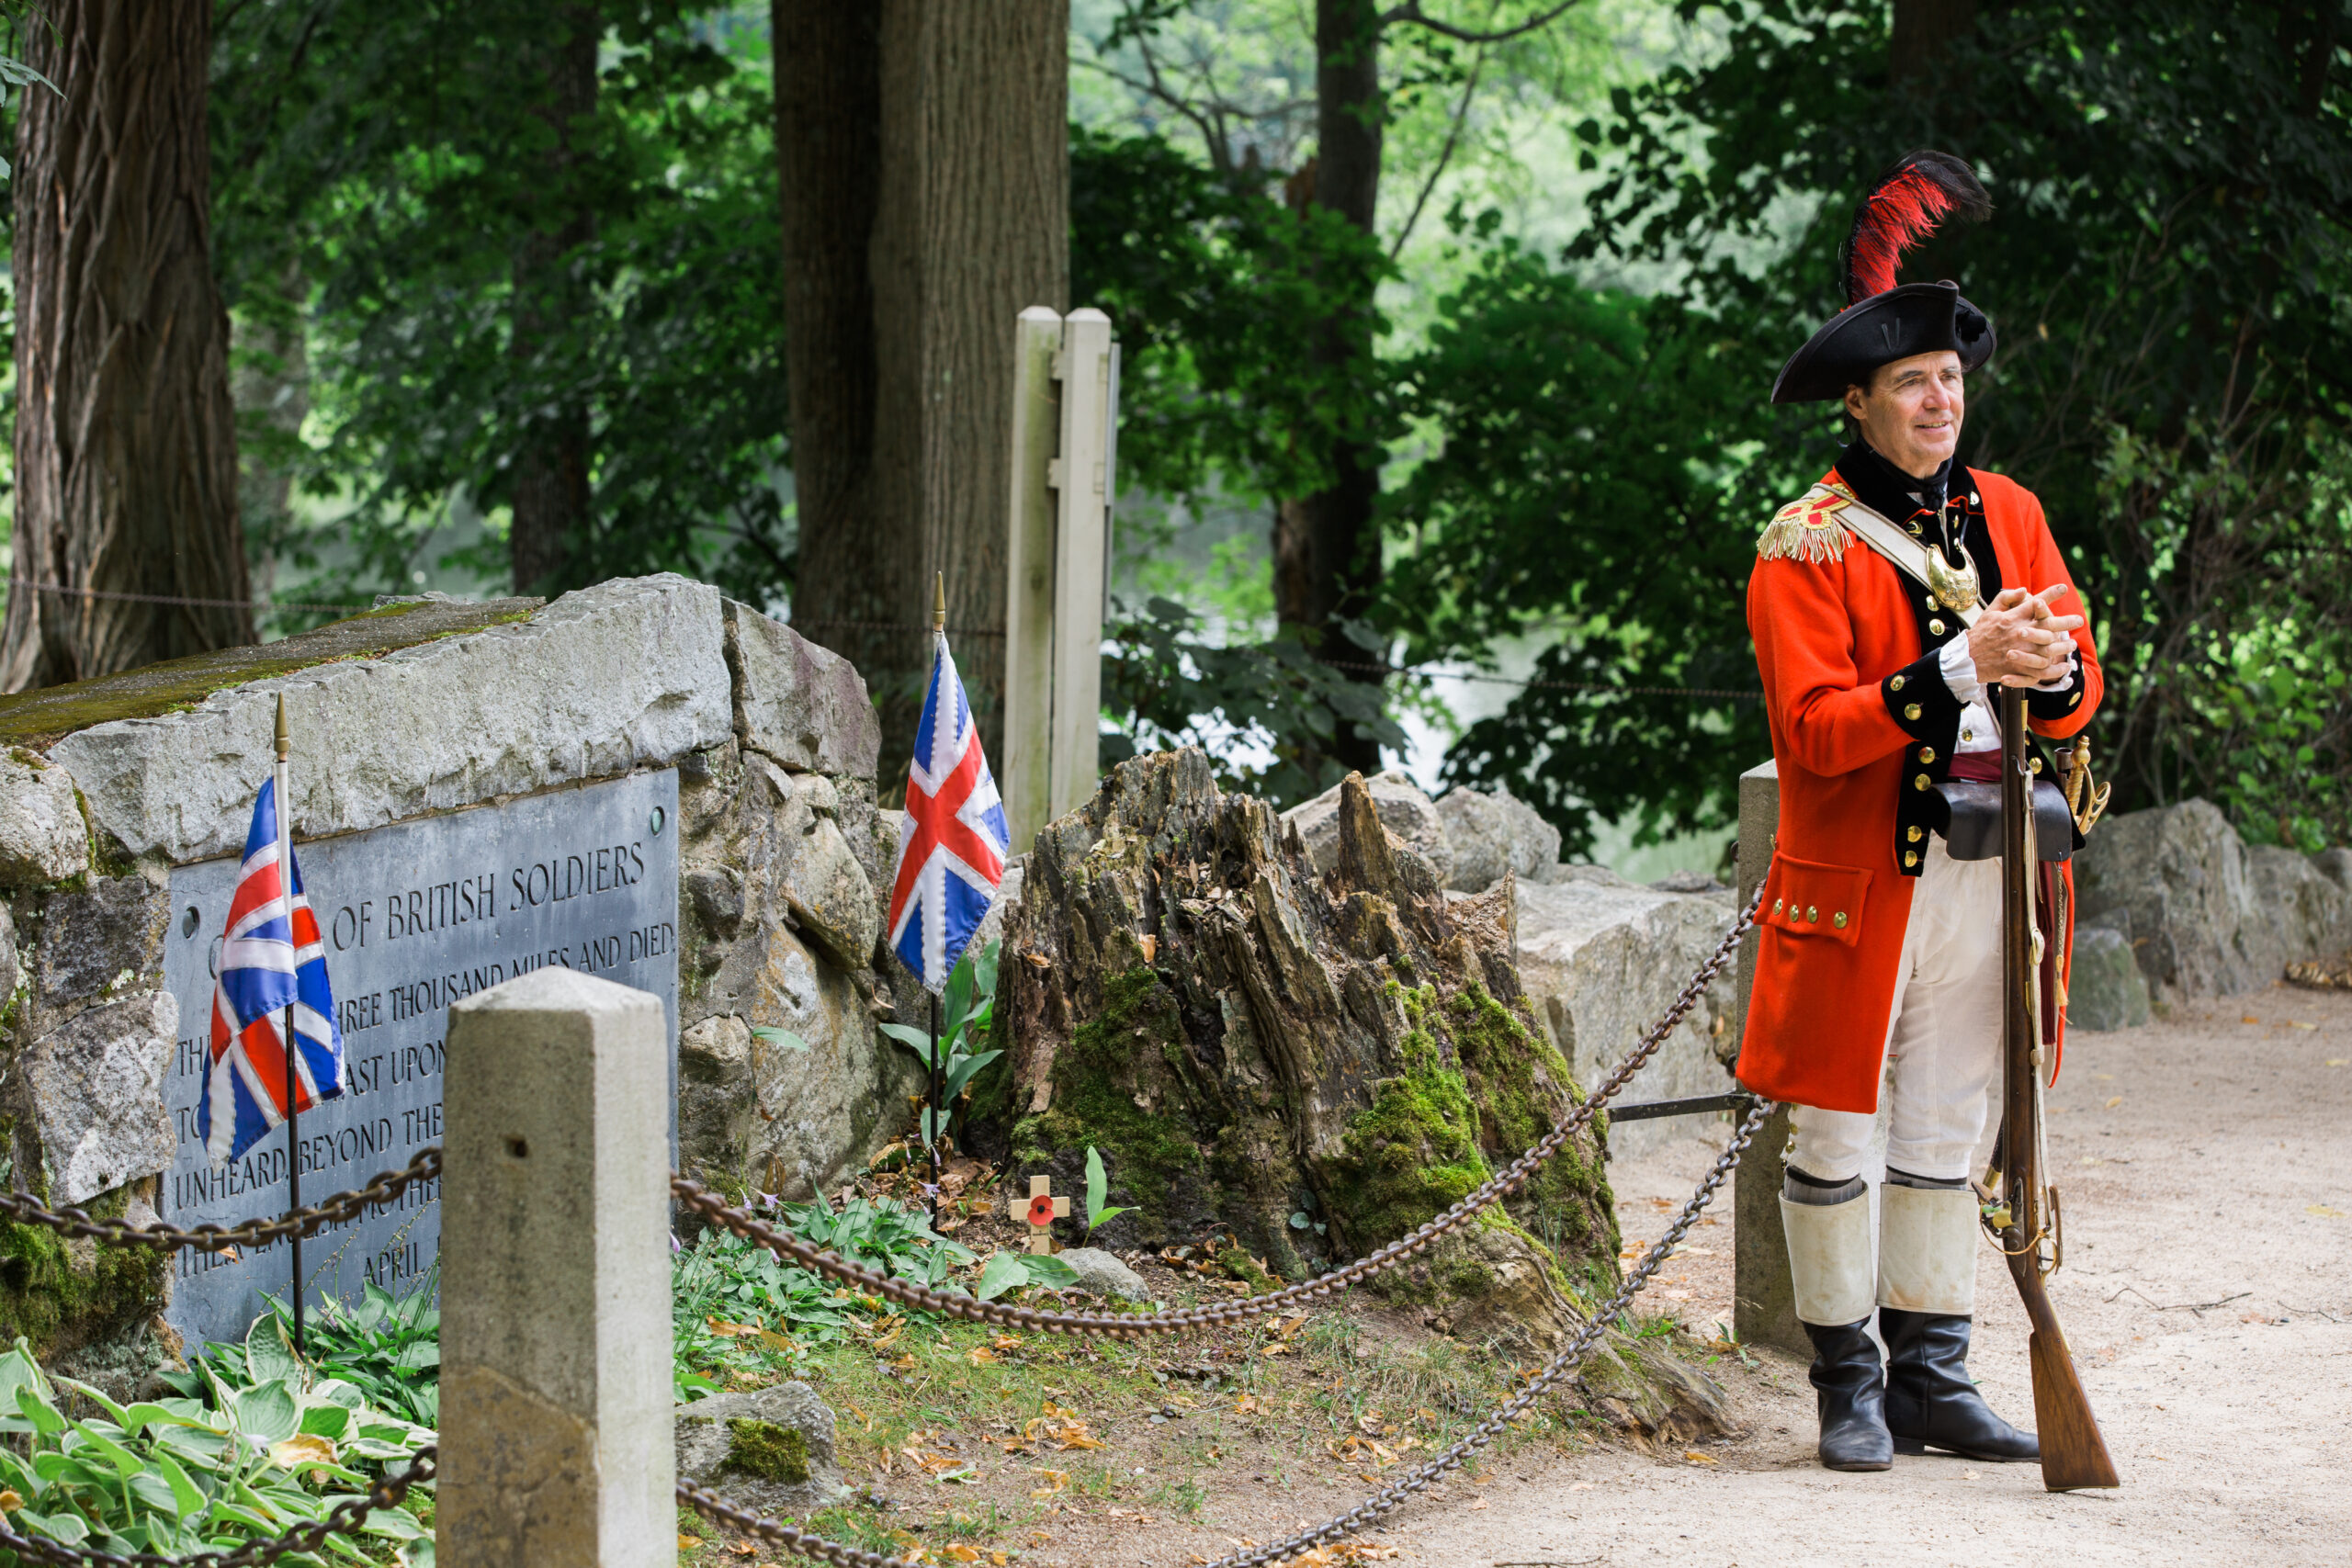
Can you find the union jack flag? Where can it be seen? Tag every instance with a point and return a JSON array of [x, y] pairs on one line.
[[268, 962], [954, 841]]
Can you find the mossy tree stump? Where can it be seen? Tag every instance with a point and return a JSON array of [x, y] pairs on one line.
[[1316, 1063]]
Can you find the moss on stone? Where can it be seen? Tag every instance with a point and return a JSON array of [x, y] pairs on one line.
[[1414, 1154], [1107, 1080], [58, 1294], [1520, 1085], [766, 1451], [39, 719]]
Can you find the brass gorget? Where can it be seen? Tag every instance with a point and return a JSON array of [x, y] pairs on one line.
[[1955, 588]]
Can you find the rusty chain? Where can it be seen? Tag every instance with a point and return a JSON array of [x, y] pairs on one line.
[[26, 1208], [386, 1493], [716, 1209], [1389, 1498]]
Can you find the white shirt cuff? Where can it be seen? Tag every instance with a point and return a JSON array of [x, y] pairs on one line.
[[1960, 670], [2074, 667]]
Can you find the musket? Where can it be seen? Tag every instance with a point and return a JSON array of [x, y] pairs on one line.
[[2021, 1207]]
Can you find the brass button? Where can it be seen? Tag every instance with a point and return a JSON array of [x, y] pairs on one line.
[[1968, 735], [1775, 906], [1936, 627], [1894, 682], [2036, 765], [1911, 712], [1917, 833], [1927, 753], [1919, 782], [1910, 857], [1812, 914], [1840, 919]]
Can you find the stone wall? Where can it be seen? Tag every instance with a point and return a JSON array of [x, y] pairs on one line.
[[2174, 907], [419, 708]]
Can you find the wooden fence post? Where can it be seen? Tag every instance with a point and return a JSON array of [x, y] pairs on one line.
[[556, 1446], [1764, 1309], [1057, 563], [1025, 774]]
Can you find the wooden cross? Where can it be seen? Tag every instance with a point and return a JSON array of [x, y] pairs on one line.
[[1041, 1209]]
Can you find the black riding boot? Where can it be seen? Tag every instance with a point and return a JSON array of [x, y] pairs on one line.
[[1932, 1402], [1851, 1397]]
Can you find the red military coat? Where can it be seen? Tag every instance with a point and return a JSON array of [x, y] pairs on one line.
[[1854, 698]]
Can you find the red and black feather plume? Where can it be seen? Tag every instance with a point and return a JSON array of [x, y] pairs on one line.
[[1903, 208]]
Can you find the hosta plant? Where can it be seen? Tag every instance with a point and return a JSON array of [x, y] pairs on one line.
[[180, 1476]]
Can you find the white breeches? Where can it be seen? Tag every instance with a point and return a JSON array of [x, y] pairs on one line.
[[1943, 1042]]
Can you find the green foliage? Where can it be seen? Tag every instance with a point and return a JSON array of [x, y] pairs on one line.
[[387, 1348], [1603, 462], [1219, 289], [379, 173], [2166, 267], [1098, 1187], [733, 1302], [1265, 712], [969, 1000], [190, 1474], [1015, 1270]]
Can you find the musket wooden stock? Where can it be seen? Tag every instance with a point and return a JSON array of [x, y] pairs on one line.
[[2073, 1454]]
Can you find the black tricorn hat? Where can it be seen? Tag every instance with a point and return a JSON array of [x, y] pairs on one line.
[[1882, 323]]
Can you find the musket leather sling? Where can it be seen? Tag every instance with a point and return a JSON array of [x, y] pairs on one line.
[[1973, 828]]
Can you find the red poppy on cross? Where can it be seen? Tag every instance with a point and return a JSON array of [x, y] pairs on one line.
[[1041, 1209]]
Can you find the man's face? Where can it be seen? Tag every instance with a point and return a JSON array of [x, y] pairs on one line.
[[1910, 413]]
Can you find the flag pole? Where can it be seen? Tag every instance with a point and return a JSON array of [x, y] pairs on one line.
[[293, 1083], [938, 1127]]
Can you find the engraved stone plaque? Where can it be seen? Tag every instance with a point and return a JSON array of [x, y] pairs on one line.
[[416, 916]]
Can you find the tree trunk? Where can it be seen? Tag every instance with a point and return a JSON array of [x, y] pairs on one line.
[[1921, 30], [551, 492], [1317, 1065], [925, 162], [126, 444], [1327, 548]]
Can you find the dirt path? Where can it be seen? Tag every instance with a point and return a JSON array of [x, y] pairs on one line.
[[2207, 1169]]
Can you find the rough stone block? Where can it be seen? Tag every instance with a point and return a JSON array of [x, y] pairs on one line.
[[2305, 914], [2335, 866], [1405, 811], [770, 1450], [1490, 834], [2105, 990], [42, 838], [2174, 880], [1100, 1274], [12, 967], [628, 673], [94, 940], [804, 706], [1601, 960], [556, 1393], [823, 884], [97, 1088]]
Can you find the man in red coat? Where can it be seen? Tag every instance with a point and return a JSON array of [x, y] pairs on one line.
[[1877, 990]]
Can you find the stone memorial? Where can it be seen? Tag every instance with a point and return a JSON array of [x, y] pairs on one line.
[[414, 917], [641, 780]]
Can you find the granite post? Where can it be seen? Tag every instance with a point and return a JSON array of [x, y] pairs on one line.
[[1764, 1309], [555, 1443]]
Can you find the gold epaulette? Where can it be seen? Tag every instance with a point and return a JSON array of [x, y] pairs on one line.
[[1808, 529]]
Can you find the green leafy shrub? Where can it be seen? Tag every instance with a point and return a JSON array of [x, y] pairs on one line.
[[389, 1348], [187, 1475], [970, 998]]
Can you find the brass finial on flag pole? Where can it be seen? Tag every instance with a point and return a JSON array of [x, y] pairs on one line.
[[939, 602], [287, 1040]]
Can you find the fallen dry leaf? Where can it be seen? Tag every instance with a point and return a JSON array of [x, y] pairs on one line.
[[2323, 1212], [1478, 1505], [2114, 1102], [1695, 1457]]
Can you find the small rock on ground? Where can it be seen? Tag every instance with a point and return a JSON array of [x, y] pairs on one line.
[[1100, 1274]]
